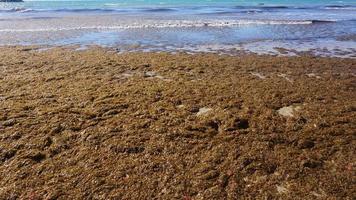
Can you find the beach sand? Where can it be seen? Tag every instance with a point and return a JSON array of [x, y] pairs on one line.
[[94, 124]]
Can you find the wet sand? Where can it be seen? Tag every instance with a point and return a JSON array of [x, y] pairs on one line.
[[95, 124]]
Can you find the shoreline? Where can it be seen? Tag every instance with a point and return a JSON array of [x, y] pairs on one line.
[[212, 49], [276, 28], [98, 124]]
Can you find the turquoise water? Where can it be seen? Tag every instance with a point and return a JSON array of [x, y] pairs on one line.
[[200, 25], [102, 4], [126, 5]]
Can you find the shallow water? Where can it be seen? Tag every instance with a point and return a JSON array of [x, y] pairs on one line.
[[323, 27]]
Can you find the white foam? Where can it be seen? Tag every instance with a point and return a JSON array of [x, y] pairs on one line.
[[165, 24], [340, 8]]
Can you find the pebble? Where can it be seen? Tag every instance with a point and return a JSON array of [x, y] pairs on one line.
[[180, 106], [282, 189], [203, 111], [288, 111]]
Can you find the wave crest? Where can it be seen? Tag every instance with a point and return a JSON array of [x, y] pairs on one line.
[[170, 24]]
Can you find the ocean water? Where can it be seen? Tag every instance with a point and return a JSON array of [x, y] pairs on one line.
[[323, 27]]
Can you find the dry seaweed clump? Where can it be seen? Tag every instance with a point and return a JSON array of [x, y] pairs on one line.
[[95, 124]]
